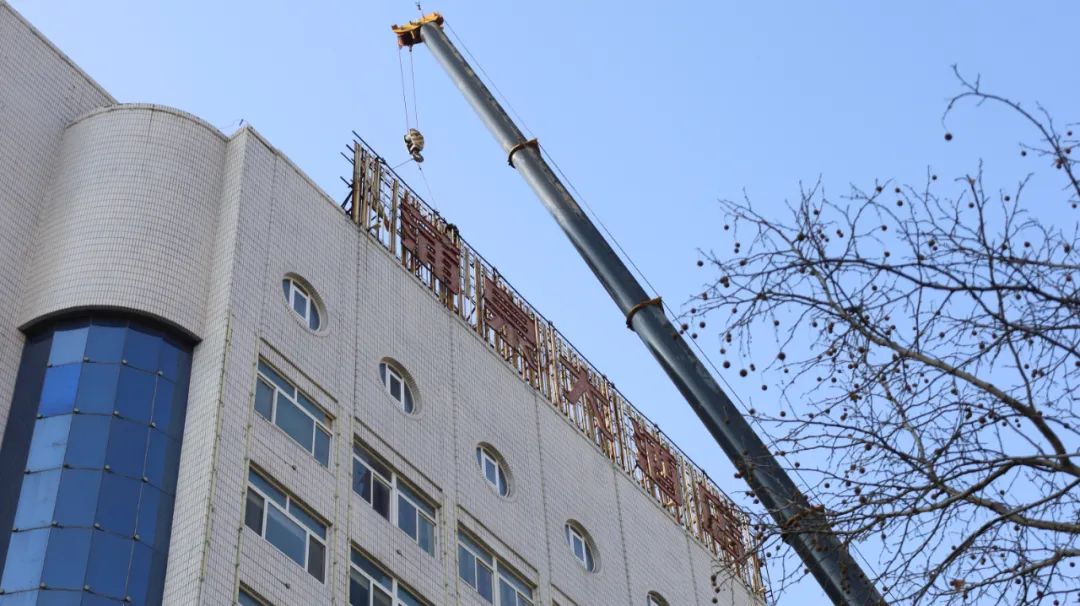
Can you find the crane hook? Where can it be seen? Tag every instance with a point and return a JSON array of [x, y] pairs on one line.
[[414, 142]]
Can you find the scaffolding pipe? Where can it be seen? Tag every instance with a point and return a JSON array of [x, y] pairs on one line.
[[805, 528]]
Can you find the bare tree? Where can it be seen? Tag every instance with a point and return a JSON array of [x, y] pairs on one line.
[[927, 360]]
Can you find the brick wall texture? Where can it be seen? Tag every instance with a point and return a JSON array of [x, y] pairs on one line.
[[149, 210]]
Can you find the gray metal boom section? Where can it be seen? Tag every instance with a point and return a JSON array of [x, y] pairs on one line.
[[806, 529]]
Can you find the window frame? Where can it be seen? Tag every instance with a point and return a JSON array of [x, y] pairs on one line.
[[389, 372], [587, 559], [255, 598], [286, 510], [399, 488], [263, 375], [501, 573], [296, 289], [396, 586], [501, 484]]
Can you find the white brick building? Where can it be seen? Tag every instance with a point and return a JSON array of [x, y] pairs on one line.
[[128, 224]]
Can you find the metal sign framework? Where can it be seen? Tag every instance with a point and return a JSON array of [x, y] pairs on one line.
[[432, 250]]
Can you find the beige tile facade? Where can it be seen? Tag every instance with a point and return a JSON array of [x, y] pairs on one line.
[[150, 210]]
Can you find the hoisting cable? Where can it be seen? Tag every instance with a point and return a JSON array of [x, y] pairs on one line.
[[404, 98]]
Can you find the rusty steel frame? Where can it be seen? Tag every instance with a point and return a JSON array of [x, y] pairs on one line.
[[376, 192]]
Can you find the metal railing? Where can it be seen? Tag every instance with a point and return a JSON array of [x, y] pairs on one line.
[[431, 248]]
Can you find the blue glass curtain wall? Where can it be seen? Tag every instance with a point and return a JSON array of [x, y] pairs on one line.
[[89, 463]]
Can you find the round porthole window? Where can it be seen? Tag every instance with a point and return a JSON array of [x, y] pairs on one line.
[[300, 298], [581, 545], [491, 465]]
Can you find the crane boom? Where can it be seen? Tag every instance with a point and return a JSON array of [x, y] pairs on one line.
[[805, 527]]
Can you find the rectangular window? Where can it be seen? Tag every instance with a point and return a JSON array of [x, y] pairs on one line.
[[482, 571], [280, 402], [393, 498], [371, 585], [276, 516]]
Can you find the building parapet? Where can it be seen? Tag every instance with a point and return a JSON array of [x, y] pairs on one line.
[[431, 248]]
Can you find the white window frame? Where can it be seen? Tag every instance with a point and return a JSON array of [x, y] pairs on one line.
[[296, 290], [290, 502], [389, 373], [394, 485], [396, 586], [252, 595], [587, 559], [500, 573], [294, 398], [501, 484]]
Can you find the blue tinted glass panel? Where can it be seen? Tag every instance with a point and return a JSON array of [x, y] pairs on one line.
[[466, 566], [264, 399], [312, 408], [48, 443], [278, 380], [286, 535], [406, 517], [373, 570], [155, 517], [361, 480], [88, 441], [97, 600], [142, 560], [106, 341], [316, 563], [68, 346], [507, 595], [26, 554], [246, 599], [172, 360], [253, 511], [295, 423], [267, 488], [299, 304], [286, 287], [127, 447], [141, 348], [169, 407], [407, 598], [313, 318], [162, 459], [483, 583], [37, 498], [135, 394], [110, 557], [322, 446], [118, 502], [58, 391], [76, 502], [26, 598], [426, 535], [359, 590], [97, 388], [59, 598], [307, 519], [66, 558]]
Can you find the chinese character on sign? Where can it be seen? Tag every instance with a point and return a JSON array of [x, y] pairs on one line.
[[657, 463], [430, 247], [718, 522], [595, 400], [510, 321]]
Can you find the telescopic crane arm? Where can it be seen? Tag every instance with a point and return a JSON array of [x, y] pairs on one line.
[[805, 526]]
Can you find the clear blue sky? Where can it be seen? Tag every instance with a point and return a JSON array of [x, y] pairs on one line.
[[654, 109]]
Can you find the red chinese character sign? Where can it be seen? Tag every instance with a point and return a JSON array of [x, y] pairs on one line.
[[594, 399], [431, 247], [510, 321], [657, 463], [718, 522]]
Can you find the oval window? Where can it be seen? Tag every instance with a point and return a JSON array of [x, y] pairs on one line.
[[492, 467], [301, 301], [395, 383], [580, 545]]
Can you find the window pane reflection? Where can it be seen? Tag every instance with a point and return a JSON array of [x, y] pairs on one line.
[[26, 554], [58, 391], [37, 498], [66, 558], [97, 388], [48, 443]]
